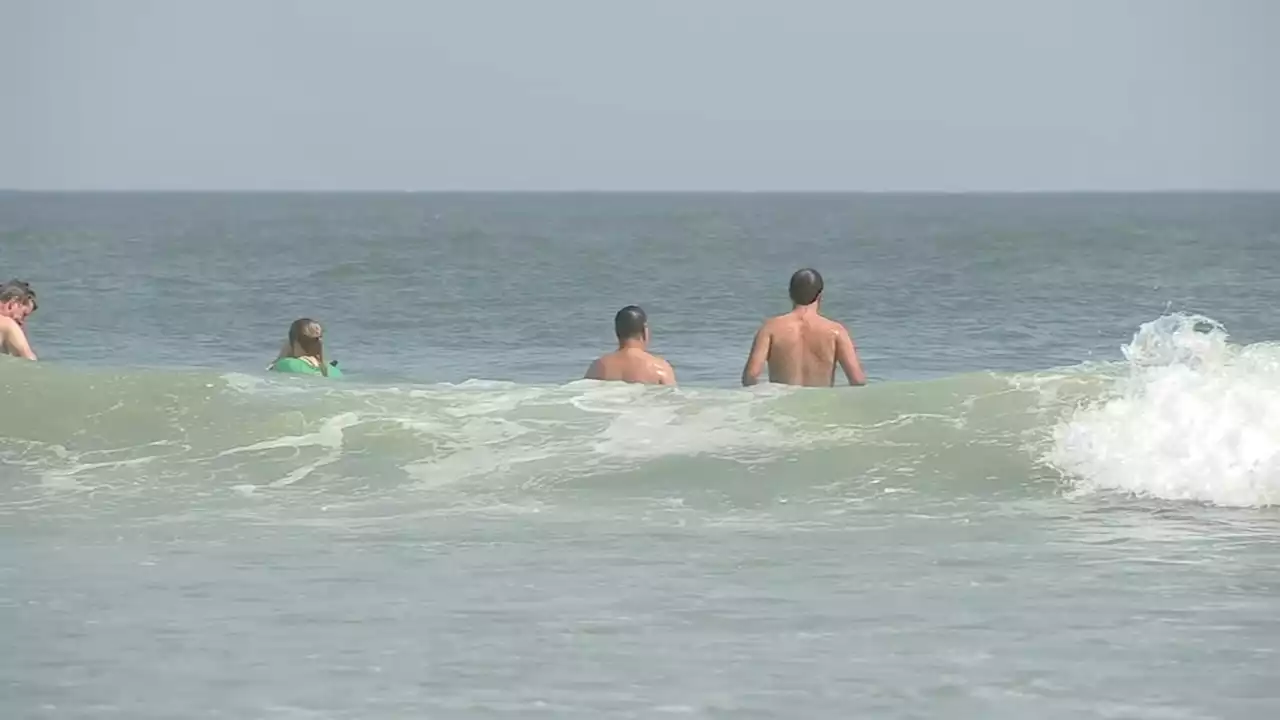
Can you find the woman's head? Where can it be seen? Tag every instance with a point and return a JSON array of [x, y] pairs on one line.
[[306, 340]]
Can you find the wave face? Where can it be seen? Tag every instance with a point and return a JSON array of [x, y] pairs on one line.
[[1187, 417]]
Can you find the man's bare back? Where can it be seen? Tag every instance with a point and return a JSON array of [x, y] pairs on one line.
[[632, 362], [632, 365], [802, 347]]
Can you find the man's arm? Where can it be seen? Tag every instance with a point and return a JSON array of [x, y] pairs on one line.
[[758, 356], [847, 356], [594, 372], [14, 340]]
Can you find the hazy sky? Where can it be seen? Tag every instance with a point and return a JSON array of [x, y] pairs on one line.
[[640, 94]]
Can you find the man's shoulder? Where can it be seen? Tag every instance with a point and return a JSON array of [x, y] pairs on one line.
[[633, 355], [610, 358], [8, 325], [827, 323], [776, 321], [608, 363], [659, 370], [642, 358]]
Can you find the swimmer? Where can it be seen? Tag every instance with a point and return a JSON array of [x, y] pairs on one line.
[[632, 362], [17, 303], [802, 347], [303, 351]]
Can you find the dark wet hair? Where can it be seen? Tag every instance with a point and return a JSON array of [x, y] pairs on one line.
[[18, 290], [806, 286], [306, 338], [630, 322]]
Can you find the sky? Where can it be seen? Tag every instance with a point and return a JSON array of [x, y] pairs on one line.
[[738, 95]]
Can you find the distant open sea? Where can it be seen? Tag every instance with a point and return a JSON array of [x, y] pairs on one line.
[[1057, 498]]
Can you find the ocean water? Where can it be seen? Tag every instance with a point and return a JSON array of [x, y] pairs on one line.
[[1057, 498]]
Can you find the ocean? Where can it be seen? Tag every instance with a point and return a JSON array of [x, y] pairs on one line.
[[1056, 498]]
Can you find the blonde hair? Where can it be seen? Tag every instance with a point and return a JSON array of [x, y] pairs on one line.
[[306, 339]]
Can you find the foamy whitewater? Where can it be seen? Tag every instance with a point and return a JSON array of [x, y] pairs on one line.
[[1192, 418], [1186, 417]]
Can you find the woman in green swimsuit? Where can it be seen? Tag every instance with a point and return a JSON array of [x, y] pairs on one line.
[[303, 352]]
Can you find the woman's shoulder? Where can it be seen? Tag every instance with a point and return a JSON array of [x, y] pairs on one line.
[[298, 365], [293, 365]]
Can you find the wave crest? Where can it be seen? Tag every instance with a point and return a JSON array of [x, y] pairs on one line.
[[1188, 417], [1195, 418]]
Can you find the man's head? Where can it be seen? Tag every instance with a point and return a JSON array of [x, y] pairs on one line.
[[17, 300], [806, 287], [631, 324]]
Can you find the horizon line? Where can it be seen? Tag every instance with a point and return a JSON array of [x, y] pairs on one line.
[[638, 191]]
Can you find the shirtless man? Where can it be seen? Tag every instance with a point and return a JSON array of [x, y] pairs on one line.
[[17, 302], [632, 361], [802, 347]]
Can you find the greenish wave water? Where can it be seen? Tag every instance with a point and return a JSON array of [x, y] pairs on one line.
[[172, 437], [1056, 499]]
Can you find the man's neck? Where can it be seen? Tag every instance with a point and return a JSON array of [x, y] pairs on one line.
[[805, 310], [631, 345]]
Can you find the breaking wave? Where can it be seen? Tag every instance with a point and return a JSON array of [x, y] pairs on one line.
[[1192, 418], [1186, 417]]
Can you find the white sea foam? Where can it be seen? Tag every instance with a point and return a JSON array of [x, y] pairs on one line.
[[679, 425], [1194, 419], [329, 436]]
